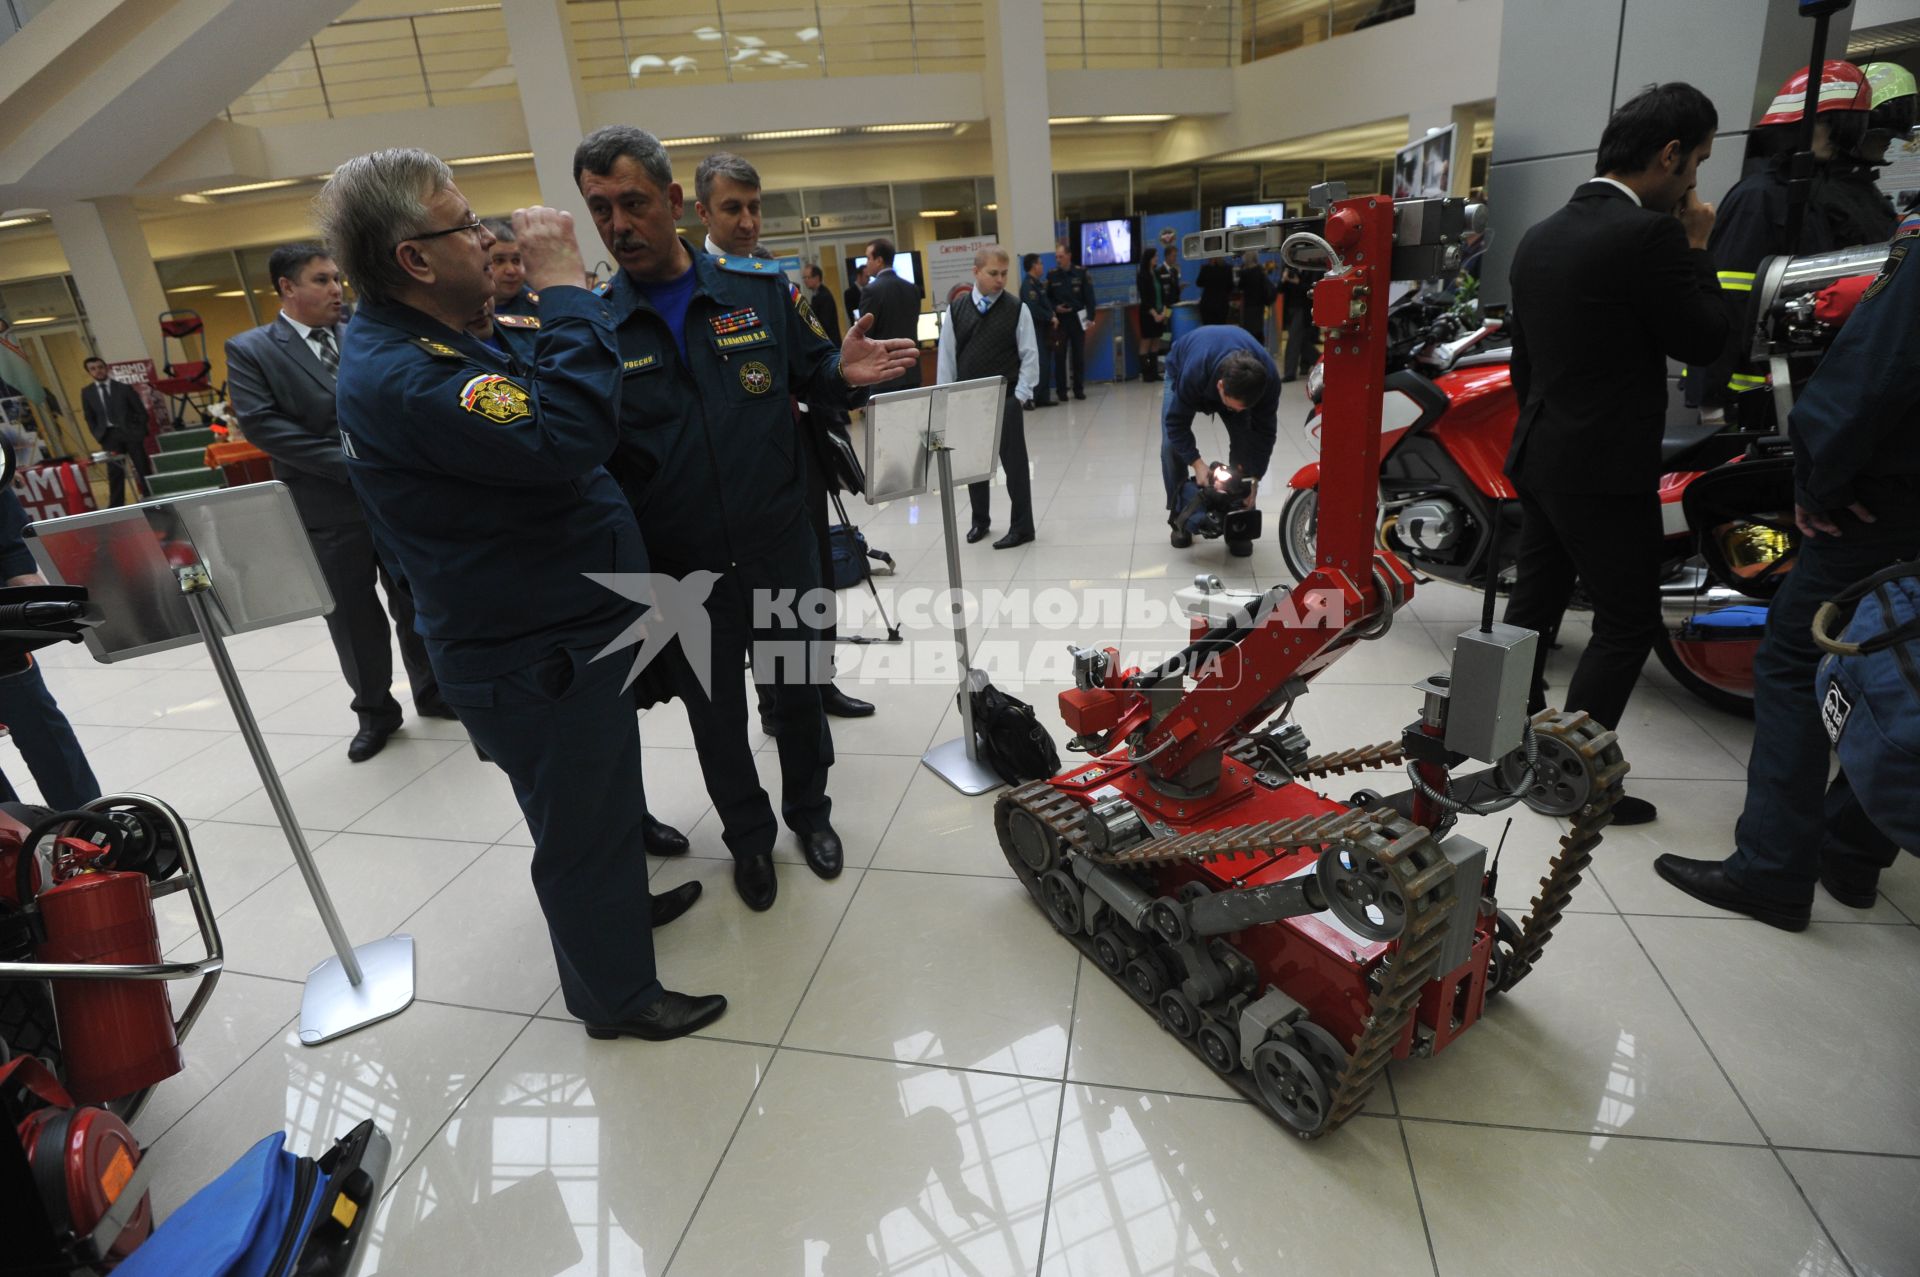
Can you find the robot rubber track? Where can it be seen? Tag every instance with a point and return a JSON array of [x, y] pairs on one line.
[[1040, 828]]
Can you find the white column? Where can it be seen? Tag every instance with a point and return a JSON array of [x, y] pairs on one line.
[[548, 77], [113, 272], [1017, 110]]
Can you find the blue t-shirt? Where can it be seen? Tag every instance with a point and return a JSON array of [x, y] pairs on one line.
[[671, 299]]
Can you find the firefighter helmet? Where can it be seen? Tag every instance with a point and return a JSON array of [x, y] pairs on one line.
[[1895, 98], [1842, 88]]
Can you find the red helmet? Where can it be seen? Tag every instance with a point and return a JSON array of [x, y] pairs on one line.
[[1843, 87]]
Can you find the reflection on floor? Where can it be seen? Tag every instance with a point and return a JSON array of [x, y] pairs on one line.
[[918, 1077]]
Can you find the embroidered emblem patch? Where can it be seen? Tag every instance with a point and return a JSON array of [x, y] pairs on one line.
[[1835, 711], [517, 321], [1895, 256], [756, 377], [496, 399], [805, 312], [641, 364]]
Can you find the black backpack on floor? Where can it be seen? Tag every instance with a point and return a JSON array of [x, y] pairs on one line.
[[1008, 737]]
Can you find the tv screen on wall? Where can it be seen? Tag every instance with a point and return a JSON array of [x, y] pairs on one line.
[[1108, 242]]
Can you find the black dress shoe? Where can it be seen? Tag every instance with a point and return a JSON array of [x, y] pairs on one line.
[[1634, 811], [1851, 888], [435, 709], [674, 1015], [841, 705], [663, 840], [368, 742], [1706, 881], [668, 905], [1043, 403], [976, 532], [822, 849], [1079, 394], [1012, 539], [753, 879], [1181, 538]]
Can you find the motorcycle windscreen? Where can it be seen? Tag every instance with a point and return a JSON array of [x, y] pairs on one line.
[[1742, 514]]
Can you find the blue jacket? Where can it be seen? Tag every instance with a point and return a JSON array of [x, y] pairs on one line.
[[482, 480], [708, 453], [1192, 386], [1856, 426]]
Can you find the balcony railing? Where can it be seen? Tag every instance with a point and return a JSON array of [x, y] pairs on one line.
[[1120, 34], [1268, 27]]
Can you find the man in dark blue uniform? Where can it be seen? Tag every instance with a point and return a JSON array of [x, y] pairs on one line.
[[1033, 295], [1856, 437], [711, 347], [1070, 291], [1223, 372], [482, 478]]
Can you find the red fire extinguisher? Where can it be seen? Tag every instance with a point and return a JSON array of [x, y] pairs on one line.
[[116, 1036]]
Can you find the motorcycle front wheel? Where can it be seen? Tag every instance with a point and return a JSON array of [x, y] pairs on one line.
[[1719, 697], [1300, 531]]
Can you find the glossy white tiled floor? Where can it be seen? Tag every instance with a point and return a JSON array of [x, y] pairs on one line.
[[918, 1077]]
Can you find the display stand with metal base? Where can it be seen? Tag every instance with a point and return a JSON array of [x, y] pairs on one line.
[[200, 567], [904, 429]]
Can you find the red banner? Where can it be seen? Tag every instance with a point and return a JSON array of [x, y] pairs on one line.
[[52, 491]]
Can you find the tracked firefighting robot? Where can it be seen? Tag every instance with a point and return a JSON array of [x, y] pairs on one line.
[[1299, 943]]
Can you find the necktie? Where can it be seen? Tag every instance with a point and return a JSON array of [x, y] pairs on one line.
[[983, 303], [329, 357]]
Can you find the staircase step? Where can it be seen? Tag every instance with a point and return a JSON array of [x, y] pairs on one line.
[[173, 484], [178, 440], [179, 460]]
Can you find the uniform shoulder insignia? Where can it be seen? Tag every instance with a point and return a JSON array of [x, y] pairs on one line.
[[496, 398], [438, 349], [533, 297], [804, 309], [1896, 255], [745, 265], [602, 288], [517, 321]]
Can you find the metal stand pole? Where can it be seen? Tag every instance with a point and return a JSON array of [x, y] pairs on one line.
[[355, 987], [957, 761]]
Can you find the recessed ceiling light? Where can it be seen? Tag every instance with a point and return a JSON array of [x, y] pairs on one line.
[[939, 212], [16, 221], [1070, 119], [778, 135], [245, 187], [194, 288], [993, 208], [906, 128], [708, 140], [501, 158], [1135, 119], [233, 292], [37, 319]]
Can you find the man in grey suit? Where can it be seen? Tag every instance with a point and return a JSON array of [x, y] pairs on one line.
[[280, 377], [894, 304], [119, 421]]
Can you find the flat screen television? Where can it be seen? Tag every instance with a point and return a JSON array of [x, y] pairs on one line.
[[1254, 214], [1113, 241], [906, 265]]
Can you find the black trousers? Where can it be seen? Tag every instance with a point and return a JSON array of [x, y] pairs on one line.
[[785, 652], [1013, 459], [564, 731], [1611, 544], [1303, 346], [127, 456], [358, 624], [1071, 350]]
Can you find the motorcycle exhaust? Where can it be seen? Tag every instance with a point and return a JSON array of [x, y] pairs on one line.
[[1676, 607]]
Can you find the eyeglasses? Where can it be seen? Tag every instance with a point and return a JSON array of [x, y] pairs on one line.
[[473, 225]]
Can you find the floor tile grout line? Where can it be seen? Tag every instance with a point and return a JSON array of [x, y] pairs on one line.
[[825, 949], [1060, 1118], [1753, 1117], [1413, 1177], [393, 1177], [746, 1111], [147, 1146]]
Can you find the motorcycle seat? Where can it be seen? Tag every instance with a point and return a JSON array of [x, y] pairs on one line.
[[1682, 438]]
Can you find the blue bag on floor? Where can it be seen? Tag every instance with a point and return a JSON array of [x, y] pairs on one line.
[[272, 1213], [1869, 687]]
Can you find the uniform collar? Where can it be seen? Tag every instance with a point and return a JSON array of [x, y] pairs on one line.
[[624, 296], [416, 323]]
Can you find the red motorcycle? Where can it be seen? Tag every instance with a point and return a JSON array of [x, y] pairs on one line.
[[1445, 502]]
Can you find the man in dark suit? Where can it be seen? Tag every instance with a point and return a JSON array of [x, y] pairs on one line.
[[862, 276], [280, 377], [822, 298], [1605, 291], [895, 306], [1071, 292], [119, 421]]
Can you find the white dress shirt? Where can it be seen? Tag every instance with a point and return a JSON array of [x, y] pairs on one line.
[[1631, 193], [306, 333], [947, 360]]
